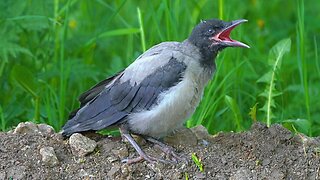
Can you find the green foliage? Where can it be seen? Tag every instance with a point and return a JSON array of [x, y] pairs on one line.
[[274, 61], [232, 104], [253, 112], [302, 124], [186, 175], [197, 161], [51, 51], [2, 121], [24, 78]]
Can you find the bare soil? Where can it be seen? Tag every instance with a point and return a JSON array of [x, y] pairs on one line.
[[260, 153]]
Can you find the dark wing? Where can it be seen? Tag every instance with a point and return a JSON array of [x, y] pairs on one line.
[[87, 96], [112, 105]]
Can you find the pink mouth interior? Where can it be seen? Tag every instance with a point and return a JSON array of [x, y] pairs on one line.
[[225, 35]]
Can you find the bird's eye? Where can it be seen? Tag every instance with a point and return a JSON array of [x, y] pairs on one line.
[[210, 31]]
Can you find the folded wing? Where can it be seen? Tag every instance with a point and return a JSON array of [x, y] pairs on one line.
[[112, 100]]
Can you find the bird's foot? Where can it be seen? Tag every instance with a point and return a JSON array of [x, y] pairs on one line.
[[142, 154], [145, 157], [168, 150]]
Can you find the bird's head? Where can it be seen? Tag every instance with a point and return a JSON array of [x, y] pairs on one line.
[[211, 36]]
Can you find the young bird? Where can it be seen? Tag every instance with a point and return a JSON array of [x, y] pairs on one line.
[[157, 92]]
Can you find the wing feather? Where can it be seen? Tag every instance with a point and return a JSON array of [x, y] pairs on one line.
[[111, 101]]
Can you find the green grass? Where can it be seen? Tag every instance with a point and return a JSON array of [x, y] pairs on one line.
[[51, 51]]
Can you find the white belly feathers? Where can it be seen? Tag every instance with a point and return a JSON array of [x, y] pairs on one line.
[[174, 106]]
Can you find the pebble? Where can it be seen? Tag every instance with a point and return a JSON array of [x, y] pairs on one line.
[[121, 153], [200, 176], [112, 159], [45, 129], [81, 145], [16, 172], [2, 175], [49, 157], [25, 128], [32, 128]]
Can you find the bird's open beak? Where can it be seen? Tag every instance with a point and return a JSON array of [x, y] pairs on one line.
[[223, 37]]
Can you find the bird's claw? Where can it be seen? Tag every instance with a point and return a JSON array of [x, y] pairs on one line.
[[169, 151]]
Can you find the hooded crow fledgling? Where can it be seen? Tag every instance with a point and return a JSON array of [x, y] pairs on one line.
[[157, 92]]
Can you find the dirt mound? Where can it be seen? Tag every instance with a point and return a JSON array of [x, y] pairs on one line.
[[261, 153]]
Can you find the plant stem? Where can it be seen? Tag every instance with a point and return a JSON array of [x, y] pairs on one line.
[[143, 40], [2, 120], [37, 109], [63, 70], [301, 57], [220, 9]]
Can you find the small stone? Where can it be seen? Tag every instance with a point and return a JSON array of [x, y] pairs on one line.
[[199, 176], [111, 159], [113, 171], [2, 175], [49, 157], [45, 129], [81, 145], [32, 128], [16, 172], [25, 128], [125, 170], [83, 173], [121, 153]]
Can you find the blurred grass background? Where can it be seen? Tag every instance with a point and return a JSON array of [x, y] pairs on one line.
[[52, 50]]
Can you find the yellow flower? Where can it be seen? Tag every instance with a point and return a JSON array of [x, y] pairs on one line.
[[260, 23], [72, 24]]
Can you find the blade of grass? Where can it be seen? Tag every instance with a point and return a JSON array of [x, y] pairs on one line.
[[315, 54], [196, 12], [115, 11], [2, 120], [116, 32], [143, 40], [232, 104], [27, 81], [33, 17], [274, 61], [167, 19], [221, 9], [64, 71], [197, 161], [2, 65], [51, 106], [302, 59]]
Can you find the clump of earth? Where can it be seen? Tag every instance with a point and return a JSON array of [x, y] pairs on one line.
[[36, 152]]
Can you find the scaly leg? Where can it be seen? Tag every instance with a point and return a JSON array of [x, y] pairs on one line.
[[142, 154], [170, 151]]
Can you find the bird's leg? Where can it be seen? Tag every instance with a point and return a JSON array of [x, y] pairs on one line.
[[170, 151], [142, 154]]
